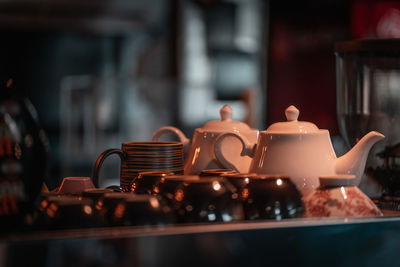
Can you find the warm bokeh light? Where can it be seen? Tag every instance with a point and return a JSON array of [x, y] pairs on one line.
[[178, 195], [119, 211], [216, 186], [154, 203], [99, 205], [343, 192], [87, 209]]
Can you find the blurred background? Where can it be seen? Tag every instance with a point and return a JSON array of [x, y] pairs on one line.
[[103, 72]]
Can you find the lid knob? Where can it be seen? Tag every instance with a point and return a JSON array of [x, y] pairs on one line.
[[292, 113], [226, 113]]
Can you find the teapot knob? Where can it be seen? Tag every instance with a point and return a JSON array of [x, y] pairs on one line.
[[292, 113], [226, 113]]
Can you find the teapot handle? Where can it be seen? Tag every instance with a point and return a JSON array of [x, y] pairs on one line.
[[170, 129], [247, 149]]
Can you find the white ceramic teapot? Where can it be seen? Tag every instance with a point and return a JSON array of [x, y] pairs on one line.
[[206, 147], [303, 152]]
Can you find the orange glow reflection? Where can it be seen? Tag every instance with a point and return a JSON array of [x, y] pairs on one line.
[[154, 203], [179, 195], [245, 193], [196, 154], [216, 186], [99, 205], [87, 209], [343, 192], [119, 211]]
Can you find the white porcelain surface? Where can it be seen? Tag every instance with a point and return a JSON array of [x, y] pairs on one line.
[[304, 152], [342, 201], [210, 138], [303, 157]]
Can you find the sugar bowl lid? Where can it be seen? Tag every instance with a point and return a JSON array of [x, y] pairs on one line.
[[226, 123], [292, 125]]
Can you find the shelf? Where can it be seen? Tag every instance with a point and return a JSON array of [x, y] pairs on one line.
[[295, 242]]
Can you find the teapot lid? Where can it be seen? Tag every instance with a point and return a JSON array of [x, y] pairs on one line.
[[226, 123], [292, 125]]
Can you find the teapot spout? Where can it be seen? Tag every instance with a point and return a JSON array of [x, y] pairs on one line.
[[353, 162]]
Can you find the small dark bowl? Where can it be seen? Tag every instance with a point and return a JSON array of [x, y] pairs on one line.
[[216, 172], [208, 199], [272, 197], [145, 182], [143, 210]]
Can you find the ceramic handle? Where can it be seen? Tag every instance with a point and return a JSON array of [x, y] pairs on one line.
[[100, 160], [170, 129], [247, 150]]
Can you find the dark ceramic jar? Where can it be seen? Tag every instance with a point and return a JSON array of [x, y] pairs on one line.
[[146, 181], [23, 156], [272, 197], [209, 199]]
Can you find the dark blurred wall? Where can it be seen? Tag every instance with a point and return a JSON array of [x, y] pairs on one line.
[[121, 48], [301, 66]]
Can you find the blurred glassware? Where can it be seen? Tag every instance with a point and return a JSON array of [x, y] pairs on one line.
[[23, 156], [368, 97]]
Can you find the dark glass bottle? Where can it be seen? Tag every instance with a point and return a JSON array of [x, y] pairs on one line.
[[23, 157]]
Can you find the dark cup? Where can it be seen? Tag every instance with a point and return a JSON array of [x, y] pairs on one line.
[[139, 157], [272, 197], [206, 200], [168, 185], [96, 195], [108, 205], [240, 181], [69, 212], [143, 210], [146, 181]]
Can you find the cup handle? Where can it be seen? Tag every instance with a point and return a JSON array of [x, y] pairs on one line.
[[247, 149], [100, 160], [170, 129]]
